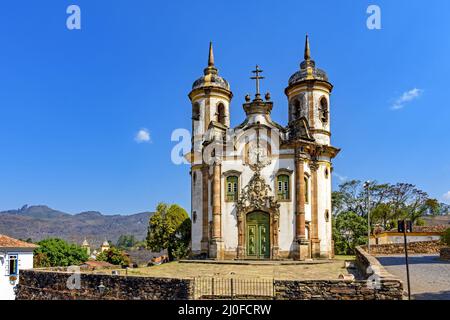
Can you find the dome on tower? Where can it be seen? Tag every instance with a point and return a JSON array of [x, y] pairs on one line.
[[211, 77], [308, 70]]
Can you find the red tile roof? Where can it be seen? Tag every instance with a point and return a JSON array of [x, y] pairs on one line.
[[7, 242]]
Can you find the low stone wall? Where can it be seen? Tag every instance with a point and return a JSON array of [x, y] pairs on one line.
[[44, 285], [338, 290], [424, 247], [368, 265], [52, 285], [445, 253]]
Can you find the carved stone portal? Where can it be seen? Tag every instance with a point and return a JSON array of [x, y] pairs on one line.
[[256, 196]]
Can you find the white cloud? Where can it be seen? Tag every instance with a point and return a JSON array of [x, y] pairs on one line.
[[143, 135], [446, 196], [341, 178], [406, 97]]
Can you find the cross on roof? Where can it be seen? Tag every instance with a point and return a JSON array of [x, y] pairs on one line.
[[257, 77]]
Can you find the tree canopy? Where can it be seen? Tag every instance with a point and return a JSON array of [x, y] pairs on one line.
[[56, 252], [126, 241], [388, 203], [169, 228], [114, 256], [349, 231]]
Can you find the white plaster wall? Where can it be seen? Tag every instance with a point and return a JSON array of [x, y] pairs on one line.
[[229, 219], [307, 172], [199, 127], [324, 203], [287, 209], [25, 262], [197, 206]]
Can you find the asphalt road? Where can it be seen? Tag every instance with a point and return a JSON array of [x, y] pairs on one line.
[[430, 276]]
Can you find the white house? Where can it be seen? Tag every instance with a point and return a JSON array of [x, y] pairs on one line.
[[15, 255]]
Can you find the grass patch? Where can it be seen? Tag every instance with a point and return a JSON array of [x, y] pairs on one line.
[[345, 257]]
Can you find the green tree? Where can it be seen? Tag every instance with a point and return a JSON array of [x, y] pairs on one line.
[[56, 252], [349, 231], [114, 256], [126, 241], [169, 228]]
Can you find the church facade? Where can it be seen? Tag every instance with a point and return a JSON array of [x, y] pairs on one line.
[[262, 190]]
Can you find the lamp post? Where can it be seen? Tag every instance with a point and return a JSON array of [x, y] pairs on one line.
[[367, 187], [101, 288]]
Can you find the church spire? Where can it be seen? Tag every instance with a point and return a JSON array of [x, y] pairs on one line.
[[211, 55], [307, 55], [211, 68]]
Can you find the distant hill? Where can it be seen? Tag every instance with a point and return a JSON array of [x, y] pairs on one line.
[[40, 222]]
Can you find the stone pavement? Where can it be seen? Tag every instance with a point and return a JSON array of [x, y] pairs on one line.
[[430, 276]]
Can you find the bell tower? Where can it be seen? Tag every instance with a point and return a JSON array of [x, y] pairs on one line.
[[308, 95], [210, 98]]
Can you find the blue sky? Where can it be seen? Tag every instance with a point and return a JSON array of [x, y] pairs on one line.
[[72, 101]]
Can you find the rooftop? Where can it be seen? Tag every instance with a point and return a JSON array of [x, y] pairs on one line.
[[8, 242]]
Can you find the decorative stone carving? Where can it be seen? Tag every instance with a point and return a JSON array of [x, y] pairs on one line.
[[257, 195], [313, 165]]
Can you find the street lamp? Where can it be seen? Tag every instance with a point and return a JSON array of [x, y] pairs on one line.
[[101, 288], [367, 187]]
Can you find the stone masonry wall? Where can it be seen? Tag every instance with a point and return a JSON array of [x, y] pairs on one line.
[[43, 285], [51, 285], [425, 247], [337, 290]]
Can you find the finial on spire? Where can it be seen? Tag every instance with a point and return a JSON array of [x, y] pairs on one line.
[[211, 55], [307, 50]]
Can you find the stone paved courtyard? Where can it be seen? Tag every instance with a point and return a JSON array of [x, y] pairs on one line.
[[321, 271], [430, 277]]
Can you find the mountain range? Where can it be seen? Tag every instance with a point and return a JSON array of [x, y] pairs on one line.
[[41, 222]]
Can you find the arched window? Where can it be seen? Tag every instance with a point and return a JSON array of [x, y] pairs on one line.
[[306, 189], [221, 113], [196, 111], [283, 191], [232, 188], [323, 111]]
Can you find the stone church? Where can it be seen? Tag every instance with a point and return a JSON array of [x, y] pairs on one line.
[[262, 190]]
